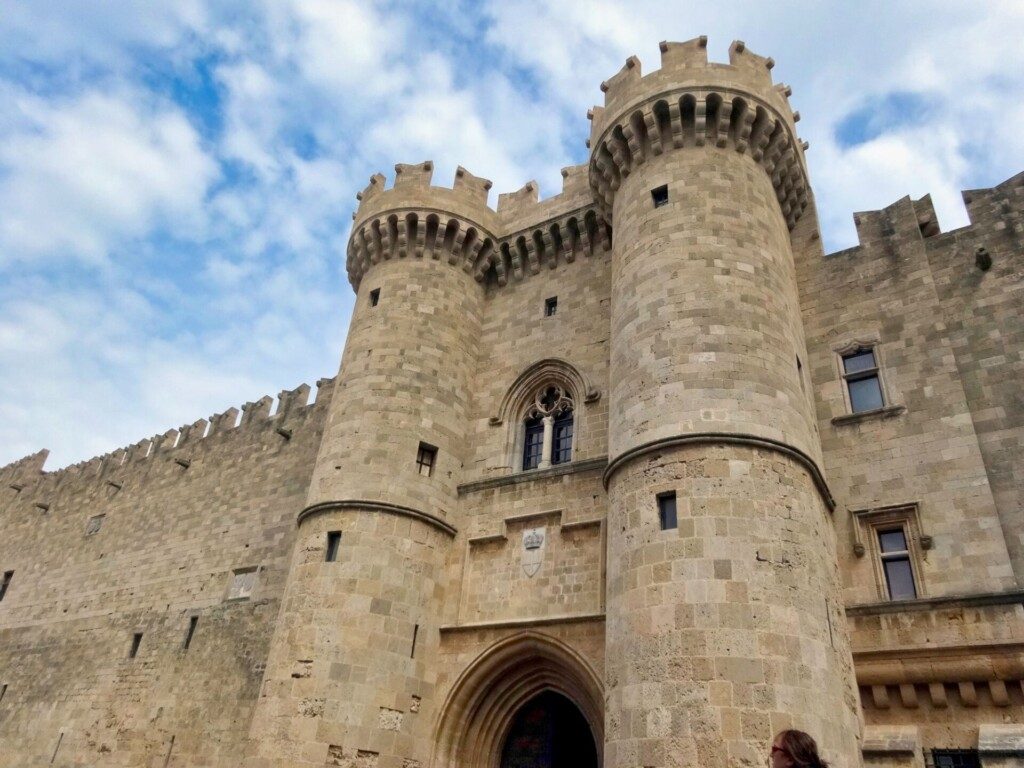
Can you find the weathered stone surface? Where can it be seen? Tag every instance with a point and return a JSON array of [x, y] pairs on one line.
[[700, 344]]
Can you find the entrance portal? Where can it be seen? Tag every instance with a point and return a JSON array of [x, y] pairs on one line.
[[549, 731]]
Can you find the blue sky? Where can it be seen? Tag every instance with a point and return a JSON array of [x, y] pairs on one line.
[[177, 177]]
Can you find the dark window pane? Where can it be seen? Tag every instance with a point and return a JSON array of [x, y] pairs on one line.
[[865, 394], [561, 448], [533, 446], [667, 511], [333, 544], [859, 361], [956, 758], [892, 541], [900, 578]]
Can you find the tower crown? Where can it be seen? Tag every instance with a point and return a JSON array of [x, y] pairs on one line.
[[691, 102], [414, 218]]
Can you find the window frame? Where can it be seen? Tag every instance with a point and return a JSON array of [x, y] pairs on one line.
[[551, 306], [869, 523], [534, 426], [426, 459], [556, 453], [875, 372]]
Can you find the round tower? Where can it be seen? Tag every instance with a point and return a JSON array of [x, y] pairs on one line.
[[351, 673], [724, 618]]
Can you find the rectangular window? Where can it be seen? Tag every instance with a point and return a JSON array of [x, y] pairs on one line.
[[550, 306], [862, 381], [956, 758], [192, 624], [899, 575], [374, 297], [667, 511], [561, 445], [533, 445], [136, 642], [333, 544], [8, 575], [425, 458], [660, 195]]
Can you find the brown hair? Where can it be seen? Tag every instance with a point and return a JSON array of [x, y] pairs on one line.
[[801, 748]]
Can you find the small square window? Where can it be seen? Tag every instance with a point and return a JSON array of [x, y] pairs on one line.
[[5, 583], [660, 195], [550, 306], [374, 297], [667, 511], [333, 544], [860, 370], [136, 642], [425, 459], [94, 524]]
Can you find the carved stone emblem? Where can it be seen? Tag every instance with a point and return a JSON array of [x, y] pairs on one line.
[[533, 550]]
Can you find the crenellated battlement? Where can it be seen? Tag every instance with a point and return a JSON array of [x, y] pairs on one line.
[[692, 103], [175, 445], [991, 212], [415, 219]]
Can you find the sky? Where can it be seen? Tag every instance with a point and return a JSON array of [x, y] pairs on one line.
[[177, 177]]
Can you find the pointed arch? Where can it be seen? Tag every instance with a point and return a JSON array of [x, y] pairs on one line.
[[551, 370], [479, 709]]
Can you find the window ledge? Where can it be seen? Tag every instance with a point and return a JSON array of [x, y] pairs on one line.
[[531, 475], [878, 413]]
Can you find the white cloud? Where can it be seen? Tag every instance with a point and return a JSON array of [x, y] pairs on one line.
[[313, 95], [94, 171]]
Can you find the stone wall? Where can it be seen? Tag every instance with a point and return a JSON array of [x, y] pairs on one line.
[[178, 522]]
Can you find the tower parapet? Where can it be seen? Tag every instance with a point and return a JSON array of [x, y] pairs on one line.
[[690, 102], [417, 220]]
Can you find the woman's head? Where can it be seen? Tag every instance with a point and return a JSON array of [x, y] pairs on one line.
[[795, 749]]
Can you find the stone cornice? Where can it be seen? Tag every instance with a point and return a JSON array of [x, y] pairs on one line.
[[728, 438], [361, 505]]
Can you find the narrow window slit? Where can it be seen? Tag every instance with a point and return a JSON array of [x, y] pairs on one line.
[[667, 511], [136, 642], [192, 623], [333, 545], [374, 297], [415, 633]]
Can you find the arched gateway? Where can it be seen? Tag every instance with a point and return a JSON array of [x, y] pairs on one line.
[[528, 701]]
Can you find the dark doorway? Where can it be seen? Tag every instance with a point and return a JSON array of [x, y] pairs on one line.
[[549, 732]]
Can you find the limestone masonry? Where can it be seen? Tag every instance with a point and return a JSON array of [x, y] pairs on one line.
[[635, 474]]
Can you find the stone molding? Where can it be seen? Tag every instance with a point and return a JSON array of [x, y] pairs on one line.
[[533, 475], [361, 505], [728, 438]]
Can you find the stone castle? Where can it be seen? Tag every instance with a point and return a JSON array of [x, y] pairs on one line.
[[632, 476]]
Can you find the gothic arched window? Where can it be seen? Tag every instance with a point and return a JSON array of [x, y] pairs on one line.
[[547, 437]]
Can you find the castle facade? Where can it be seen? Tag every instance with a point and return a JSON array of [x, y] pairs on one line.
[[632, 476]]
